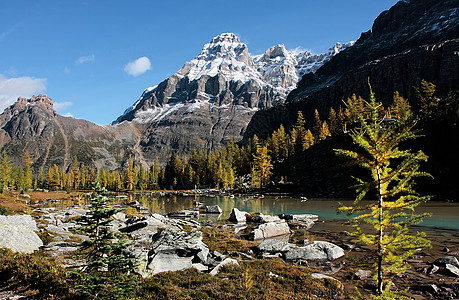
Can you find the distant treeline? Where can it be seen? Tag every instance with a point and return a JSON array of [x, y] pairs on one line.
[[225, 167]]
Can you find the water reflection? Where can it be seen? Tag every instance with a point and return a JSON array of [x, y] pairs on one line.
[[444, 214]]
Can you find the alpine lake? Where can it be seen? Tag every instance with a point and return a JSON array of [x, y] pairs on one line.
[[445, 215]]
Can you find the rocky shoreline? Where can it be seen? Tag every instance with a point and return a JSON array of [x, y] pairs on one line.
[[163, 243]]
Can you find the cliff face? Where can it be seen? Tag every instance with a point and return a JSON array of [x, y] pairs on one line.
[[32, 125], [412, 41], [213, 97]]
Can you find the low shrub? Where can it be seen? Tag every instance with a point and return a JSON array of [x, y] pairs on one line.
[[37, 275]]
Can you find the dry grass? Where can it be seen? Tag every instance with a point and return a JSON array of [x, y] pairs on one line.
[[224, 240], [11, 204]]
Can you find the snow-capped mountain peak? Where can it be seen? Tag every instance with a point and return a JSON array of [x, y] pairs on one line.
[[225, 55], [224, 73]]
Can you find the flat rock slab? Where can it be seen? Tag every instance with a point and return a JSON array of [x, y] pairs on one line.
[[316, 251], [269, 230], [275, 246], [18, 233], [164, 261]]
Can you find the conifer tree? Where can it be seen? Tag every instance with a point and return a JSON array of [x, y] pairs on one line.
[[334, 123], [427, 101], [83, 176], [75, 174], [153, 176], [41, 181], [317, 125], [107, 270], [129, 175], [93, 176], [401, 108], [299, 132], [358, 109], [5, 171], [142, 178], [53, 178], [282, 147], [392, 172], [262, 166], [27, 171], [324, 131], [308, 140]]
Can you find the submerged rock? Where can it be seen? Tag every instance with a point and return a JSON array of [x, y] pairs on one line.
[[214, 209]]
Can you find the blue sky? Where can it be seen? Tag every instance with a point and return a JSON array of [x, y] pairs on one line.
[[94, 58]]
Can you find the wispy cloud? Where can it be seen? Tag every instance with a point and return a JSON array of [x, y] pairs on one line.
[[8, 31], [62, 105], [85, 59], [138, 66], [12, 88]]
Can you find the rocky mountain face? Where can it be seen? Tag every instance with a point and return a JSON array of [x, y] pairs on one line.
[[210, 99], [213, 97], [414, 40], [33, 125]]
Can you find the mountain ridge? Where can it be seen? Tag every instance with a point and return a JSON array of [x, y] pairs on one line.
[[411, 41], [207, 101], [207, 93]]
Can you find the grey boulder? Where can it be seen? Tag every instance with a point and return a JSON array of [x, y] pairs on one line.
[[275, 246], [238, 216], [173, 250], [269, 230], [316, 251], [214, 209], [18, 233]]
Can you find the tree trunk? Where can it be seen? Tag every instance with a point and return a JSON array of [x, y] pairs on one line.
[[381, 232]]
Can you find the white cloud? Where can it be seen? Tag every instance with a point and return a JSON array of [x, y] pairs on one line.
[[12, 88], [85, 59], [67, 70], [62, 105], [138, 66]]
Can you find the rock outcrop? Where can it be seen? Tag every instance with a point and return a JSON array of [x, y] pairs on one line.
[[33, 125], [213, 97], [173, 250], [413, 40]]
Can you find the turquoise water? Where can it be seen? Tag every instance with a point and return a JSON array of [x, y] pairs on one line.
[[444, 215]]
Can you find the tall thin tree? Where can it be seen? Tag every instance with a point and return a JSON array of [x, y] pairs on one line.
[[392, 171]]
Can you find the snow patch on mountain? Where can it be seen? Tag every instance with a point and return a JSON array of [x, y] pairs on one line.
[[277, 70], [225, 55]]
